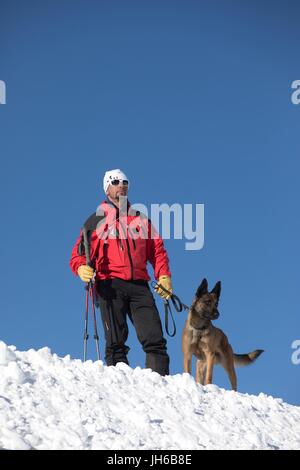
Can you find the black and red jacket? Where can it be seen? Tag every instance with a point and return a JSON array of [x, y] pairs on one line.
[[121, 245]]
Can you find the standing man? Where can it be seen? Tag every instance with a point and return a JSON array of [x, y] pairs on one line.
[[121, 241]]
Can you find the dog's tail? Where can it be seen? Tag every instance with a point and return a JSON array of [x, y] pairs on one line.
[[246, 359]]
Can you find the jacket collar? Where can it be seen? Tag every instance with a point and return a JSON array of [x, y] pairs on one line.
[[109, 205]]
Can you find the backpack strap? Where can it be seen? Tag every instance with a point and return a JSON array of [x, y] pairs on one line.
[[90, 225]]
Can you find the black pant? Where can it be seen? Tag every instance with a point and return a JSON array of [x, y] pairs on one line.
[[117, 298]]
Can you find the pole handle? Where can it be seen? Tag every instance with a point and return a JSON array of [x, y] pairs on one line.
[[86, 246]]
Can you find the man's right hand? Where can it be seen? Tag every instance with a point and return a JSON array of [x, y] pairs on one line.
[[85, 272]]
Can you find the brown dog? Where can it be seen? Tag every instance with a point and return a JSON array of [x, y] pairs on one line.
[[209, 344]]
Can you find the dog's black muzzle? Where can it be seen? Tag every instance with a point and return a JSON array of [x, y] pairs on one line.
[[216, 314], [211, 316]]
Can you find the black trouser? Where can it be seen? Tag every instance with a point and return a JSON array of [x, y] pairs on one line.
[[117, 298]]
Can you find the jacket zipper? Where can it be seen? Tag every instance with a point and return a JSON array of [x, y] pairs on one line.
[[128, 250], [119, 240], [133, 240]]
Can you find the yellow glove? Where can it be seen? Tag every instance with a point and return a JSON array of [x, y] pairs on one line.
[[164, 281], [85, 272]]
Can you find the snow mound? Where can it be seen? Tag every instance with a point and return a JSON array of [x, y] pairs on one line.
[[48, 402]]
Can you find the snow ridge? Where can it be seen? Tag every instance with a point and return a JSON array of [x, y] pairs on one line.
[[48, 402]]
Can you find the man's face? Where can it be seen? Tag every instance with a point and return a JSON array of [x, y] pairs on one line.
[[115, 191]]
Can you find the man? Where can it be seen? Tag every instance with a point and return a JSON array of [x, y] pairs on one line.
[[122, 240]]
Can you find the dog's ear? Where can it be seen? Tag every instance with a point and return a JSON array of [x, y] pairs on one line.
[[217, 289], [202, 289]]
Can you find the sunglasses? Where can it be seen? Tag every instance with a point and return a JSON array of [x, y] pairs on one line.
[[117, 182]]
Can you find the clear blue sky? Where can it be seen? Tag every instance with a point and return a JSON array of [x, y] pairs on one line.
[[193, 101]]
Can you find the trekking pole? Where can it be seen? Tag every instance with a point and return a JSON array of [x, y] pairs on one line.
[[86, 335], [96, 337], [89, 292]]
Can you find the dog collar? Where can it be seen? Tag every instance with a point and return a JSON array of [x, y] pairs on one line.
[[201, 327]]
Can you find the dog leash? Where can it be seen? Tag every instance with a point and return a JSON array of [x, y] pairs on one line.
[[178, 305]]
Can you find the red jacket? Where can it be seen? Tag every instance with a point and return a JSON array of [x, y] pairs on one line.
[[120, 246]]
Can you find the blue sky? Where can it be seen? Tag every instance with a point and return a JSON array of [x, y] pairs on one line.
[[193, 101]]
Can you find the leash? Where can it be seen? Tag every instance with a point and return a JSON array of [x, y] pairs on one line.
[[178, 305]]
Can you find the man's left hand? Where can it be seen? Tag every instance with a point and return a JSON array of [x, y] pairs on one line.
[[164, 281]]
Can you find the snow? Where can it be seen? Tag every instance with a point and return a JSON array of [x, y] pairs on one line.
[[49, 402]]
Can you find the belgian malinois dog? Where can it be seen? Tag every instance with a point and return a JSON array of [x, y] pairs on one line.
[[208, 343]]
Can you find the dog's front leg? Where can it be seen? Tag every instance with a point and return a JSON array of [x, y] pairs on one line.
[[200, 371], [186, 349], [210, 357], [187, 363]]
